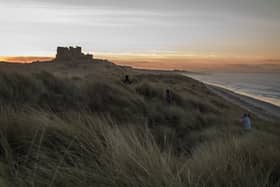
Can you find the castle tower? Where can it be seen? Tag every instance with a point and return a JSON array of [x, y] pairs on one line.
[[62, 53], [72, 53], [75, 52]]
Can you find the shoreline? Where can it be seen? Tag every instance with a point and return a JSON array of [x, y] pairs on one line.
[[268, 100], [262, 109], [264, 89]]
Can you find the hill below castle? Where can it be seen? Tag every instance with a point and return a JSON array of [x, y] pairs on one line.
[[84, 124]]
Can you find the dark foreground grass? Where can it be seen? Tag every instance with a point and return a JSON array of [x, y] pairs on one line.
[[43, 149], [57, 132]]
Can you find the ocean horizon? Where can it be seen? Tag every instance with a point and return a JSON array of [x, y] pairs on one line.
[[263, 86]]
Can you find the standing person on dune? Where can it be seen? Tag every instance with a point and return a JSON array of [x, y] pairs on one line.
[[168, 96], [246, 121]]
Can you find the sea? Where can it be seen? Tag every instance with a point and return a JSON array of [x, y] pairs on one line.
[[263, 86]]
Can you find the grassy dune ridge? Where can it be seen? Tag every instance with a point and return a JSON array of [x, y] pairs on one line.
[[76, 129]]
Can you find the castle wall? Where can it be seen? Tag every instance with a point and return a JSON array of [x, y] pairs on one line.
[[63, 53], [72, 53]]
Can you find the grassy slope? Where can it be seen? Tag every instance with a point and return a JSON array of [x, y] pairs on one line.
[[80, 125]]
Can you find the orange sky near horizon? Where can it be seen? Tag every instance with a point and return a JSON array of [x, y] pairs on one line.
[[170, 60], [23, 59], [154, 34]]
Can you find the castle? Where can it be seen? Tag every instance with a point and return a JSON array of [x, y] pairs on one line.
[[72, 53]]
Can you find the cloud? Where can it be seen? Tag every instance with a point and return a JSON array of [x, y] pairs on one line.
[[37, 26], [256, 5]]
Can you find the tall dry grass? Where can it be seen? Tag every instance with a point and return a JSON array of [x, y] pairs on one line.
[[43, 149], [57, 132]]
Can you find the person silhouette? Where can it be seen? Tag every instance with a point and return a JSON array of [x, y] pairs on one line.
[[127, 80], [246, 121], [168, 96]]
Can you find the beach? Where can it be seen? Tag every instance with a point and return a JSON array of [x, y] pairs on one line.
[[260, 108], [264, 86]]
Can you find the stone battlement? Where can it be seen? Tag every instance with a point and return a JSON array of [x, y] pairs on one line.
[[72, 53]]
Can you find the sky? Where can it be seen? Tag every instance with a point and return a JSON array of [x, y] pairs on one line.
[[146, 31]]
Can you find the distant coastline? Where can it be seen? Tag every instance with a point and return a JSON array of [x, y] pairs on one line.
[[262, 109], [261, 86], [271, 101], [260, 106]]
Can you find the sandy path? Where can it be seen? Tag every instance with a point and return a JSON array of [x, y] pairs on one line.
[[262, 109]]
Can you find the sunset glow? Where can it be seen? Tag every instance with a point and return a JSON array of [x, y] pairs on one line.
[[24, 59], [173, 34], [171, 60]]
